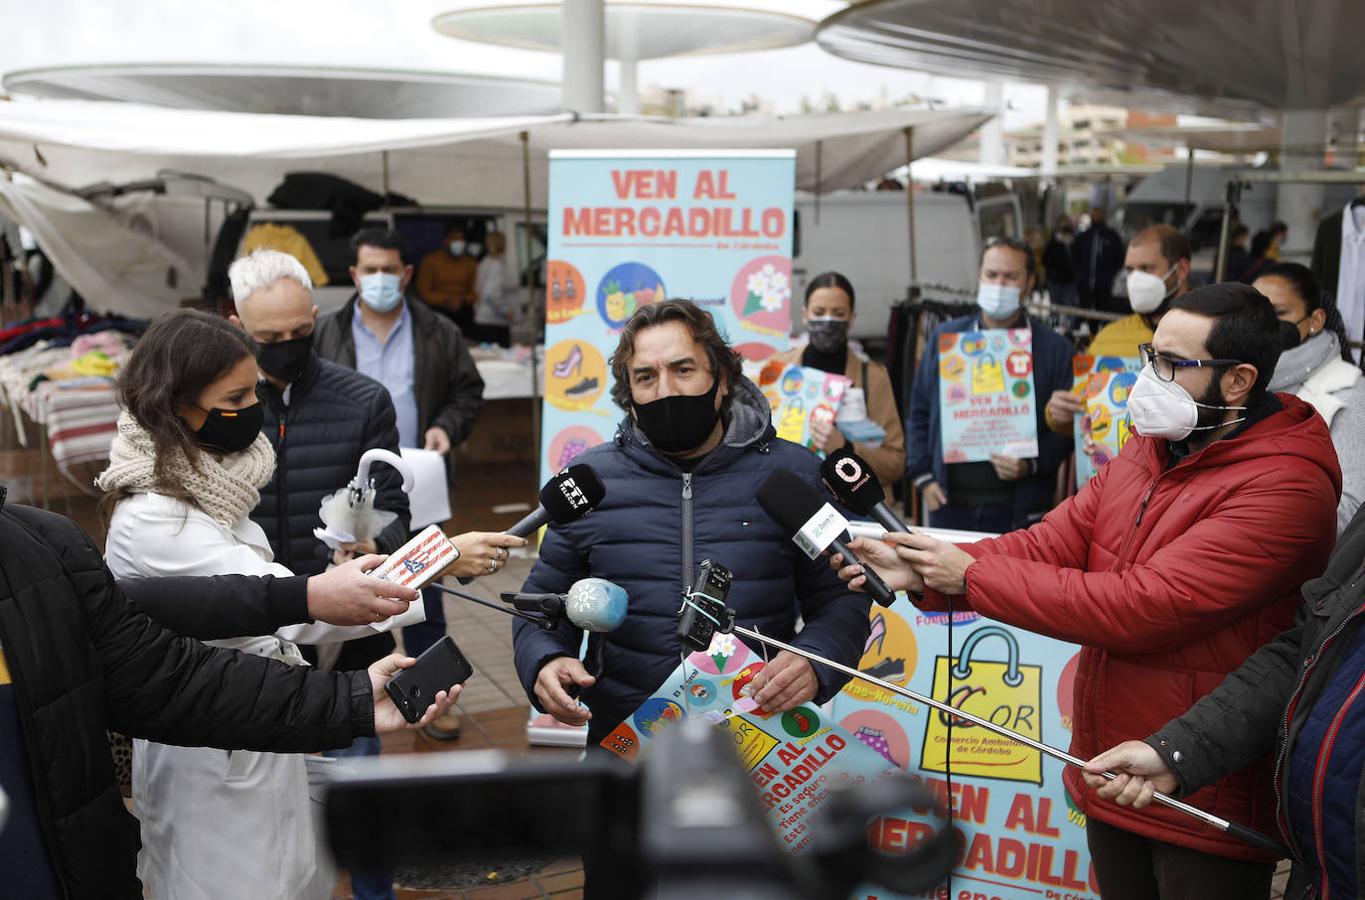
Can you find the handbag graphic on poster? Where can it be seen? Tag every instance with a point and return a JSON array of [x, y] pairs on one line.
[[1008, 693]]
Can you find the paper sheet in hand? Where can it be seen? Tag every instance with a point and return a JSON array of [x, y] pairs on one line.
[[429, 502]]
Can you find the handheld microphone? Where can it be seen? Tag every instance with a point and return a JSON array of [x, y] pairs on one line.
[[815, 526], [593, 604], [852, 482], [565, 498]]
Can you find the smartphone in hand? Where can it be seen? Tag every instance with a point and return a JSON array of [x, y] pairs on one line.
[[438, 669]]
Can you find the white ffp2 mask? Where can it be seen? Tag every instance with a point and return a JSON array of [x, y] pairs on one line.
[[1164, 409], [1146, 292]]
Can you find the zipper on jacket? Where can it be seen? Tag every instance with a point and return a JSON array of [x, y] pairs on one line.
[[1320, 776], [689, 566], [1137, 523], [1312, 660], [31, 745], [281, 506]]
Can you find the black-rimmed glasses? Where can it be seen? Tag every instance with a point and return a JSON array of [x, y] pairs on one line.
[[1164, 367]]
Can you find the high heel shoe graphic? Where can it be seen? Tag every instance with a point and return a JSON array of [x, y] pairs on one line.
[[571, 364], [878, 634]]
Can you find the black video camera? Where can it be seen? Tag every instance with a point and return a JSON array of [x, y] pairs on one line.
[[703, 611], [685, 824]]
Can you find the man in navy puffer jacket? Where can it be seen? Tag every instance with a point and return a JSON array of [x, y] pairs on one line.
[[681, 477]]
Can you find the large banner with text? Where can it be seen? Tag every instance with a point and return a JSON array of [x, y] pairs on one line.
[[630, 228], [1019, 836]]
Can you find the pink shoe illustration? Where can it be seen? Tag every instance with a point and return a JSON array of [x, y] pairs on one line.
[[571, 364], [877, 636]]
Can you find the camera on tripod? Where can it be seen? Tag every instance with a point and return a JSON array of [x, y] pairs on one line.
[[703, 611]]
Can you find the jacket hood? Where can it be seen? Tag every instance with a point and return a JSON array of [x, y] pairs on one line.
[[1295, 434], [1297, 363], [748, 422]]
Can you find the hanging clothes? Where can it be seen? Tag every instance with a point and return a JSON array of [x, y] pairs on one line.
[[1351, 277]]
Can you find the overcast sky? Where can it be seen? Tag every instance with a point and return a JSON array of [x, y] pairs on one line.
[[398, 34]]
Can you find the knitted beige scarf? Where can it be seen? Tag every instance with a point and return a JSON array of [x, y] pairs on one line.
[[226, 489]]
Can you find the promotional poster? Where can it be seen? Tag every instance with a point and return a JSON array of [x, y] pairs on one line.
[[1019, 836], [986, 394], [1104, 384], [632, 228]]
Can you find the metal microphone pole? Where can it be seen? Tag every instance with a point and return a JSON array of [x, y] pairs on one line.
[[1249, 835], [537, 620]]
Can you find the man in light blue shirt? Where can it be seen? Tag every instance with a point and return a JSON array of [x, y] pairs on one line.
[[422, 359]]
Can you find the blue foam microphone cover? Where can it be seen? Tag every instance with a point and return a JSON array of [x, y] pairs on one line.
[[595, 604]]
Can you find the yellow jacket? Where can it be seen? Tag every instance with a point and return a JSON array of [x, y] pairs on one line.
[[286, 239], [1120, 338], [446, 282]]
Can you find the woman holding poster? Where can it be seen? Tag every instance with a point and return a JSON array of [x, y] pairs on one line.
[[867, 421]]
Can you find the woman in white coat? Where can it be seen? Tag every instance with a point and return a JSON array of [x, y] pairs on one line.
[[183, 477], [1311, 367]]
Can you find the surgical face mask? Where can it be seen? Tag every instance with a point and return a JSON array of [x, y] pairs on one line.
[[827, 334], [1146, 292], [1164, 409], [998, 301], [473, 249], [381, 291], [457, 248], [230, 430], [678, 423]]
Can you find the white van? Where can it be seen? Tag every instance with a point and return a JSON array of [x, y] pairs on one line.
[[865, 236]]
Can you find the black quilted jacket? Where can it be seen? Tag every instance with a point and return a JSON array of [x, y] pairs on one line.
[[84, 662]]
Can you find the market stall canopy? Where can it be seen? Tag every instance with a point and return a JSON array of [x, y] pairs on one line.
[[469, 162], [1233, 137], [635, 30], [1270, 54], [292, 90], [104, 243]]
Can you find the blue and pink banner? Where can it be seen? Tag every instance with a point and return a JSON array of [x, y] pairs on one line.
[[630, 228], [1019, 837]]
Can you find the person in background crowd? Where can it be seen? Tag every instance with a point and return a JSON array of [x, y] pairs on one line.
[[1158, 263], [446, 277], [1006, 492], [499, 296], [1170, 567], [1311, 368], [424, 362], [829, 316], [1096, 257], [185, 472], [1061, 280], [1265, 250], [320, 419], [77, 658], [1298, 696], [1239, 258]]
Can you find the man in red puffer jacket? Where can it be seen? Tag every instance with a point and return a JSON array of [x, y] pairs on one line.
[[1182, 557]]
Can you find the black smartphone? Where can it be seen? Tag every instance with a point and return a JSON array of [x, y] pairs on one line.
[[415, 688]]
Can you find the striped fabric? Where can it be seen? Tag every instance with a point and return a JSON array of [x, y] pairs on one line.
[[81, 416]]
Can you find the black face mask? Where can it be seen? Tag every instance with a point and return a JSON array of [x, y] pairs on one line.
[[286, 360], [827, 335], [679, 423], [230, 430]]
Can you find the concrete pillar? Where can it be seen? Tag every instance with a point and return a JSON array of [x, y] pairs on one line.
[[1052, 128], [628, 91], [1300, 205], [993, 132], [1346, 127], [582, 31]]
